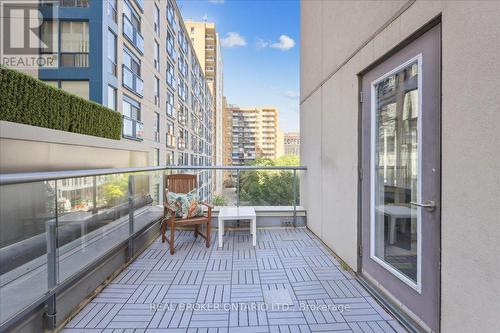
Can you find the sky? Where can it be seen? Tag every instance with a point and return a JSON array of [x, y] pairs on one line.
[[260, 51]]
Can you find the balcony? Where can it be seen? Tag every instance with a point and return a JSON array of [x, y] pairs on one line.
[[132, 81], [133, 35], [70, 225]]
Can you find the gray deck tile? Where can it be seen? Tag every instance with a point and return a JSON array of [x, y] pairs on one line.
[[159, 292]]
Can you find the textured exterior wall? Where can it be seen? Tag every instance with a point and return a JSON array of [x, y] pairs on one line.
[[338, 42]]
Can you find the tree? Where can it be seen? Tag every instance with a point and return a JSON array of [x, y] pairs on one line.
[[269, 187]]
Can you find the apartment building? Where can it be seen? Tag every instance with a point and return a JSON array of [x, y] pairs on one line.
[[206, 44], [136, 57], [254, 133], [291, 143]]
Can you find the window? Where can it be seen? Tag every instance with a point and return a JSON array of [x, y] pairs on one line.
[[112, 98], [170, 158], [157, 127], [78, 88], [170, 104], [74, 44], [132, 72], [132, 26], [182, 89], [171, 14], [156, 157], [157, 20], [192, 30], [132, 125], [183, 44], [170, 75], [170, 45], [111, 10], [170, 134], [157, 91], [157, 55], [50, 37], [183, 67], [182, 114], [111, 53]]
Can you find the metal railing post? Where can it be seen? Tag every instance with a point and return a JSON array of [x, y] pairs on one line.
[[294, 182], [94, 195], [130, 215], [238, 187], [51, 234]]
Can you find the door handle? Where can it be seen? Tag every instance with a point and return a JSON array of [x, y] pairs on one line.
[[429, 205]]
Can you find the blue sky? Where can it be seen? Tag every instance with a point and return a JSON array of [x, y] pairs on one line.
[[261, 51]]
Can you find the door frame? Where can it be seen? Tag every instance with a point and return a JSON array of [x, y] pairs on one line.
[[373, 121], [378, 292]]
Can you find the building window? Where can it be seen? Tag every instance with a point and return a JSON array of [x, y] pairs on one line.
[[74, 44], [111, 10], [157, 127], [171, 15], [111, 53], [157, 20], [170, 134], [156, 157], [170, 104], [157, 55], [132, 125], [157, 91], [132, 72], [132, 26], [182, 89], [78, 88], [170, 158], [170, 75], [170, 45], [112, 98], [182, 115], [183, 66]]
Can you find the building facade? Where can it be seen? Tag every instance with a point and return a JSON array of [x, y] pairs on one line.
[[254, 133], [206, 44], [399, 123], [136, 57], [291, 143]]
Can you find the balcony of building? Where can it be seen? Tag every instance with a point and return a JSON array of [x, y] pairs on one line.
[[80, 250]]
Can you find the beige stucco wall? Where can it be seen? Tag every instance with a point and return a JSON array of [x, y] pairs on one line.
[[336, 33]]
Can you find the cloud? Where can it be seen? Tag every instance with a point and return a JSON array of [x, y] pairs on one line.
[[285, 43], [292, 94], [261, 43], [216, 2], [205, 17], [233, 39]]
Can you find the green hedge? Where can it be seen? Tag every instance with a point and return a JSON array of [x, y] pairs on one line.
[[26, 100]]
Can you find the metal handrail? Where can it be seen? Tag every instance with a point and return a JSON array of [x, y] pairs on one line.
[[30, 177]]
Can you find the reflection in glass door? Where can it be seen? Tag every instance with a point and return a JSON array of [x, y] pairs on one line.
[[395, 181]]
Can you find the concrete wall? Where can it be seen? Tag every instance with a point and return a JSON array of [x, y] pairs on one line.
[[339, 40], [25, 148]]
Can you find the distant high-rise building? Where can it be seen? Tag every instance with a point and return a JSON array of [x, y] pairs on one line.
[[206, 44], [291, 143], [254, 133]]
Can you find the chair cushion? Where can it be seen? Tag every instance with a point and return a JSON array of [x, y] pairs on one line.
[[186, 204]]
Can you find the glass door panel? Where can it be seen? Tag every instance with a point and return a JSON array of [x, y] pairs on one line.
[[395, 167]]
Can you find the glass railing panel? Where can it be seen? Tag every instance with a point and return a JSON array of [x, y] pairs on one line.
[[93, 219], [26, 213], [147, 198]]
